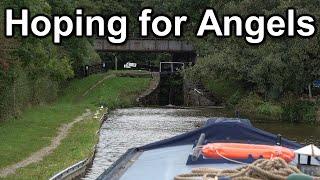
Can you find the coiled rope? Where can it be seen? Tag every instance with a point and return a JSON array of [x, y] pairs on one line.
[[276, 169]]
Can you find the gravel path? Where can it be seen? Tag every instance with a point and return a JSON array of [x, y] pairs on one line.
[[39, 155]]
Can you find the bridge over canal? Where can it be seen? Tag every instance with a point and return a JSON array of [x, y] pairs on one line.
[[182, 51]]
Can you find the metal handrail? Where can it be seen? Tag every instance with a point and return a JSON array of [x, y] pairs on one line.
[[70, 170]]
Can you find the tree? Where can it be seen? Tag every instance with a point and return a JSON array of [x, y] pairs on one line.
[[278, 66]]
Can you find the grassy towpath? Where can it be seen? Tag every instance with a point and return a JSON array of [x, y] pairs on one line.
[[45, 151], [37, 126]]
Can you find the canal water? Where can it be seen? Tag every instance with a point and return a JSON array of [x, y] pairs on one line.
[[128, 128]]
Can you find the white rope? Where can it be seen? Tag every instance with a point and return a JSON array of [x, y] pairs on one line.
[[228, 159], [223, 157]]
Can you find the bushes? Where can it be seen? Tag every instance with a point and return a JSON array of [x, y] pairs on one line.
[[32, 69], [44, 90], [17, 91], [299, 111], [288, 108], [14, 92], [249, 103], [291, 109], [234, 99], [269, 109], [224, 88], [253, 105]]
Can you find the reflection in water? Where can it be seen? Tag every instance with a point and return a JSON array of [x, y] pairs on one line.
[[302, 133], [128, 128]]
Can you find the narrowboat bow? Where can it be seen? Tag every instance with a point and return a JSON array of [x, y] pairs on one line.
[[181, 154]]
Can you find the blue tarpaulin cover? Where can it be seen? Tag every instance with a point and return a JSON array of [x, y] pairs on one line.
[[224, 130], [224, 120]]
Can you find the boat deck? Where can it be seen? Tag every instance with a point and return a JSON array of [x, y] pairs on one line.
[[168, 162]]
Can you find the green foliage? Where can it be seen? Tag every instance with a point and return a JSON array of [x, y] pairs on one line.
[[254, 105], [270, 109], [276, 67], [60, 69], [234, 99], [80, 52], [299, 111], [273, 68], [14, 91], [39, 124], [224, 88], [250, 103], [37, 67]]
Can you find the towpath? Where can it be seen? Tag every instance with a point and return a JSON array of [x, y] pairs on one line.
[[45, 151]]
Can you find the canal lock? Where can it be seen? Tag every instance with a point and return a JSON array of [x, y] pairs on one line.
[[173, 89]]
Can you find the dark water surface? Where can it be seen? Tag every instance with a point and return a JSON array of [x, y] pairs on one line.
[[128, 128]]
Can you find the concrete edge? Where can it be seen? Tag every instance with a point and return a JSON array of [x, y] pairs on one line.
[[152, 87]]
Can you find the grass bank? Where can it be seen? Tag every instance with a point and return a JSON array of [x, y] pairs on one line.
[[38, 125]]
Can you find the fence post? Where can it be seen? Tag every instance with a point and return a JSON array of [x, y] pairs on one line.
[[116, 62]]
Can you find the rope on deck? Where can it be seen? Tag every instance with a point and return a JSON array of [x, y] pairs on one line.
[[276, 169]]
